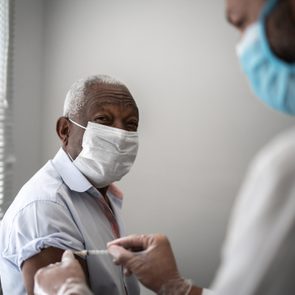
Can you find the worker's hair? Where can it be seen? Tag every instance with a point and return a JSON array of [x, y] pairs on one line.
[[78, 94]]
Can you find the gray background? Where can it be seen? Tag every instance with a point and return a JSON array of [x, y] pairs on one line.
[[200, 125]]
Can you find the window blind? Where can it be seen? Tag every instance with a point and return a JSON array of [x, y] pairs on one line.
[[6, 142]]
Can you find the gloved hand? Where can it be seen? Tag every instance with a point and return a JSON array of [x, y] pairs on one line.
[[154, 265], [62, 275], [74, 286]]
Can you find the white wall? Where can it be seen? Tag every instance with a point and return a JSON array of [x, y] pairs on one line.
[[200, 124], [27, 94]]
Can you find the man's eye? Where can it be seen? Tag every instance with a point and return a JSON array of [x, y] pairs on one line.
[[102, 119], [132, 126]]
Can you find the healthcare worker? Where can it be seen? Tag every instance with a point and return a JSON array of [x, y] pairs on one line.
[[258, 256]]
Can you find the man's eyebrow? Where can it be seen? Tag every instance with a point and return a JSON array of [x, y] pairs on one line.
[[102, 104]]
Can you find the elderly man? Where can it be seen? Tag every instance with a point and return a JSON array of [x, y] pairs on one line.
[[258, 256], [71, 203]]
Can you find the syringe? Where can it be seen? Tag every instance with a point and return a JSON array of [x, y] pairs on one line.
[[84, 253]]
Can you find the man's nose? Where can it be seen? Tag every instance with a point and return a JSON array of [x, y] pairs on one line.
[[119, 124]]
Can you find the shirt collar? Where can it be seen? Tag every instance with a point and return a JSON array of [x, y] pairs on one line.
[[76, 181], [70, 174]]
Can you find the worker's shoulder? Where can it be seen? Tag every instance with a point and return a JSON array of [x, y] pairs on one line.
[[278, 154]]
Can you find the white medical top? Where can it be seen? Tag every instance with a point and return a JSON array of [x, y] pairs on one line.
[[58, 207], [259, 251]]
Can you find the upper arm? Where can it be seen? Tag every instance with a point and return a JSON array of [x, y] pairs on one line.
[[52, 228], [44, 258]]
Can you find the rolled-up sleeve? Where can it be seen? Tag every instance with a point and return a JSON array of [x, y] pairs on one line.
[[39, 225]]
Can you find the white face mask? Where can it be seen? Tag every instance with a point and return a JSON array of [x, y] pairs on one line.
[[107, 153]]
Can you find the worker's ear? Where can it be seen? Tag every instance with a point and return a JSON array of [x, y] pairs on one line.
[[63, 130]]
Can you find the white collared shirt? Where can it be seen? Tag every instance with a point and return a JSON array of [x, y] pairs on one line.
[[58, 207]]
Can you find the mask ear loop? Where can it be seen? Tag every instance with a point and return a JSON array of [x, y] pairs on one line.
[[77, 124], [268, 8]]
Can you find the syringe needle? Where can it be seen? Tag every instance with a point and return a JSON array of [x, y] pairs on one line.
[[84, 253]]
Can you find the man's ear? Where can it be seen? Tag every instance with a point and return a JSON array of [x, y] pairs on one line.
[[63, 130]]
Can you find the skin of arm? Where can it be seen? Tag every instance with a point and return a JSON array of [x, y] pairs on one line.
[[65, 277], [45, 257]]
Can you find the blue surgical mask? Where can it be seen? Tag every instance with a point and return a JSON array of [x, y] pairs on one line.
[[271, 79]]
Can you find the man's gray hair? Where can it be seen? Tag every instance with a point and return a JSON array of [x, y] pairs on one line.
[[77, 96]]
